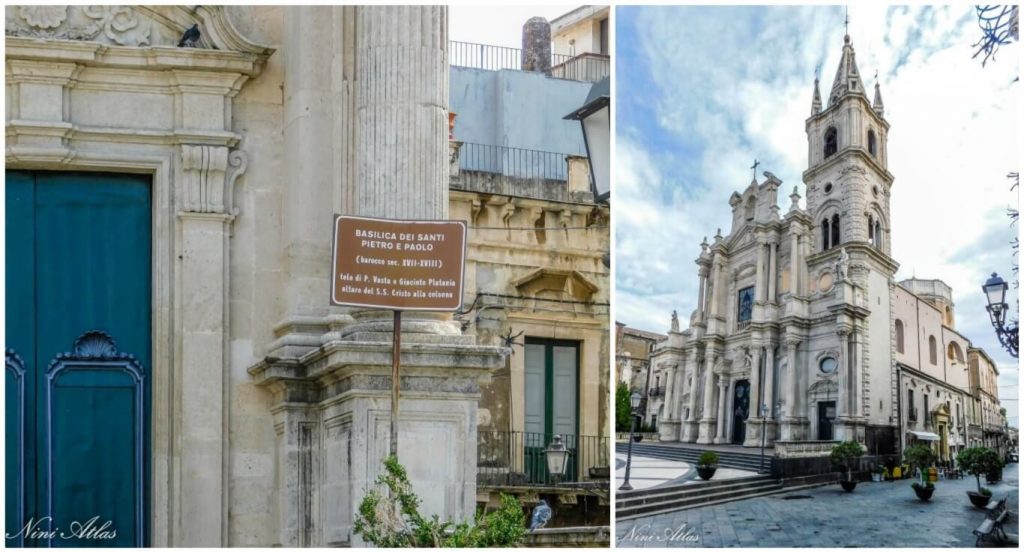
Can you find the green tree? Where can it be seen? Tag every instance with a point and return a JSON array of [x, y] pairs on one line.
[[920, 456], [978, 461], [396, 521], [622, 409], [843, 455]]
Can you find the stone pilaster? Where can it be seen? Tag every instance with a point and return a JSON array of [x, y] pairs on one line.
[[723, 394], [708, 418], [690, 425], [754, 420]]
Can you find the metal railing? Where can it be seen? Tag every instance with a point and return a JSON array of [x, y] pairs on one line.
[[517, 458], [490, 57], [657, 391], [513, 162], [584, 67]]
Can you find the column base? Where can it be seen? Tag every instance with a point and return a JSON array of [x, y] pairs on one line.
[[753, 438], [793, 429], [849, 428], [668, 431], [706, 434], [690, 432]]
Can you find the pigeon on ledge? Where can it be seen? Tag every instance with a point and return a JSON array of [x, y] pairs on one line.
[[190, 38], [541, 515]]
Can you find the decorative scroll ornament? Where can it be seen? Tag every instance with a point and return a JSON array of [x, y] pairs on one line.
[[44, 17], [209, 176], [120, 25]]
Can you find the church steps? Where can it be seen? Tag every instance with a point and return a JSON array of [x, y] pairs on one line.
[[689, 454], [696, 489], [653, 509]]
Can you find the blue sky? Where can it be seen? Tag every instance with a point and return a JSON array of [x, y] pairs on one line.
[[702, 91]]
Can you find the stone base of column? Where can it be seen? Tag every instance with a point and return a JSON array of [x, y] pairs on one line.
[[793, 429], [707, 430], [668, 431], [772, 430], [753, 437], [332, 414], [690, 432], [850, 428]]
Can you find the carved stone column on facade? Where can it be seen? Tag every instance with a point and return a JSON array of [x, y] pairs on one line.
[[706, 433], [769, 386], [723, 389], [844, 371], [794, 265], [754, 420], [792, 394], [701, 307], [689, 426], [670, 392], [759, 285], [207, 177], [773, 269], [716, 296]]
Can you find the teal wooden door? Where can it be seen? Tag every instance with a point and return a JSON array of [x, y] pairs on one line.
[[552, 402], [78, 316]]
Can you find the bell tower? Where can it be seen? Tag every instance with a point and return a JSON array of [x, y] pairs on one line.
[[847, 178]]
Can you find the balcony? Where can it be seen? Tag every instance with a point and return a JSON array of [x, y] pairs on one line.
[[517, 459], [555, 176], [586, 67], [656, 392]]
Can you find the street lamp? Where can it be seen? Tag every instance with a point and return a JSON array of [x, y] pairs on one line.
[[595, 118], [995, 293], [557, 457], [634, 403], [764, 426]]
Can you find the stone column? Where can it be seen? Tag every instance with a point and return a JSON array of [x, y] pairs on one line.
[[794, 265], [707, 421], [670, 390], [769, 379], [754, 420], [716, 294], [759, 286], [857, 402], [773, 269], [701, 306], [844, 371], [723, 389], [790, 389], [690, 427]]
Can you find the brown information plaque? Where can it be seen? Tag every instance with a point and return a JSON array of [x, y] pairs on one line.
[[400, 265]]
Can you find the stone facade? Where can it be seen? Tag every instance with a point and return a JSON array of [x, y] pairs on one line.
[[798, 312], [270, 407], [633, 349]]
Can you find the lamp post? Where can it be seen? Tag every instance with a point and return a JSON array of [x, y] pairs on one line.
[[995, 293], [764, 425], [557, 457], [634, 403]]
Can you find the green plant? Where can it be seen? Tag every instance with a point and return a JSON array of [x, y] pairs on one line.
[[395, 521], [845, 452], [921, 457], [978, 461], [622, 409], [985, 492], [707, 459]]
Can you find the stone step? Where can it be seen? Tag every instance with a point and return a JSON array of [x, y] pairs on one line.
[[737, 460], [693, 485], [623, 516], [680, 501], [696, 489]]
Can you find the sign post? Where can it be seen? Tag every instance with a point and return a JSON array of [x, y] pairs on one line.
[[400, 266]]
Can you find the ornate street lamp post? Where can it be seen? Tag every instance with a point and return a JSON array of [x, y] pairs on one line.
[[634, 403], [557, 457], [995, 292]]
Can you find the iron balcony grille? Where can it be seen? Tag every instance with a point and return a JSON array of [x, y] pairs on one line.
[[518, 163], [517, 458]]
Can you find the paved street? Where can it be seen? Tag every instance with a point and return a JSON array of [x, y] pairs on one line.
[[884, 514]]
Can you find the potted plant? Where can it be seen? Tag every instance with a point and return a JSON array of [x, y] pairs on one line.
[[876, 473], [921, 457], [707, 464], [843, 455], [978, 461]]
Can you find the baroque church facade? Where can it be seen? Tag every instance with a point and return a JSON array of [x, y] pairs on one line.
[[793, 334]]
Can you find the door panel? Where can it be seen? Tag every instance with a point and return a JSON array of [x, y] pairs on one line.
[[552, 389], [740, 410], [826, 412], [82, 245]]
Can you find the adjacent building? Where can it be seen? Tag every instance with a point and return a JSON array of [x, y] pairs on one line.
[[633, 348]]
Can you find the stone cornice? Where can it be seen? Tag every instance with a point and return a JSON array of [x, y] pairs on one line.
[[842, 156]]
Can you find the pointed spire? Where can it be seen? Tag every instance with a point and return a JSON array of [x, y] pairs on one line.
[[847, 79], [816, 101], [877, 104]]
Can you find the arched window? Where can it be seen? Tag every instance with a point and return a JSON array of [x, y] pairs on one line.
[[932, 353], [835, 231], [830, 232], [877, 241], [872, 147], [899, 336], [955, 353], [825, 234], [871, 229], [831, 141], [748, 210]]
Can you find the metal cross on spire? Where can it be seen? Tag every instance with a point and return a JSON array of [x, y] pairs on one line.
[[847, 21], [754, 167]]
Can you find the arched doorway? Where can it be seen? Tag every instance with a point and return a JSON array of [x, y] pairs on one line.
[[740, 411]]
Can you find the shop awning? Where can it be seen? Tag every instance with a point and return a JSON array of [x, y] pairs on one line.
[[925, 436]]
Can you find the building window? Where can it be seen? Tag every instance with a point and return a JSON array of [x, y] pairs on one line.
[[877, 241], [831, 142], [899, 336], [911, 413], [830, 232], [933, 358], [872, 148], [926, 408], [745, 303], [828, 365]]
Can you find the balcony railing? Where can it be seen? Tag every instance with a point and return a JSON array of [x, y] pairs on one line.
[[513, 162], [517, 458], [584, 67]]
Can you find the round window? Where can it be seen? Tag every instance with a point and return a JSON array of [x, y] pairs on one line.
[[828, 365], [828, 188]]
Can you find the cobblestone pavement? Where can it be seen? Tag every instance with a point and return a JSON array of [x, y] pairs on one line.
[[882, 514]]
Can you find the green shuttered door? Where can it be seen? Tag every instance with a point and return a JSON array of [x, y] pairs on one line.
[[78, 358]]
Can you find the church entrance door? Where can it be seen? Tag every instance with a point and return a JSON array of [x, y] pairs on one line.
[[826, 413], [740, 411]]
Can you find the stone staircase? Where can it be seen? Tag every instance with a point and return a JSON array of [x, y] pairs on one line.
[[689, 454], [665, 499]]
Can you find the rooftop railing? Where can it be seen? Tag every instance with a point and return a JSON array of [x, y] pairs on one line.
[[520, 163], [588, 67]]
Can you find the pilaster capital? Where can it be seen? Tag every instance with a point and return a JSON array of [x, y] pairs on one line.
[[208, 176]]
